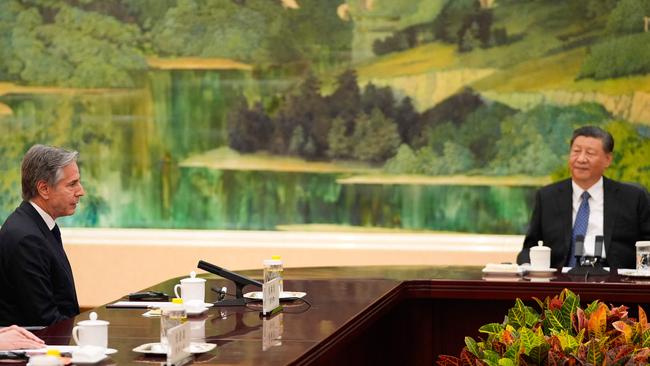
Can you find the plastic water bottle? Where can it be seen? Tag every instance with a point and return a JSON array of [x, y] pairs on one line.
[[171, 315], [273, 269]]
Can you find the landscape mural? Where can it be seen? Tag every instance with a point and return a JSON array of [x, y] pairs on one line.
[[373, 115]]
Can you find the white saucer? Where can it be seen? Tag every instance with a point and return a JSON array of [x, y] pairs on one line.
[[633, 273], [285, 295], [546, 272], [498, 272], [196, 311], [62, 349], [156, 349]]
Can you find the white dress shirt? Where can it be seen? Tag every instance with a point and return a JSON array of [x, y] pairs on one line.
[[49, 221], [596, 213]]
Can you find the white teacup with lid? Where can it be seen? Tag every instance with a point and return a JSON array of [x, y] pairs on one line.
[[91, 332], [191, 288], [540, 256]]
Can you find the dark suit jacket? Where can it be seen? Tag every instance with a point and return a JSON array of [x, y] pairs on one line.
[[36, 283], [626, 221]]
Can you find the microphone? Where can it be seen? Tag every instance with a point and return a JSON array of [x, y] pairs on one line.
[[580, 247], [598, 246], [239, 280]]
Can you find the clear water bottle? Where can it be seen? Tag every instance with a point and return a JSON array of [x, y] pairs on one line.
[[273, 269], [172, 314]]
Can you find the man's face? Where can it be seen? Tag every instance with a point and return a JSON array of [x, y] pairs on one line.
[[588, 160], [64, 195]]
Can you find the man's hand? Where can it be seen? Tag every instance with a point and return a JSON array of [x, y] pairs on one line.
[[15, 337]]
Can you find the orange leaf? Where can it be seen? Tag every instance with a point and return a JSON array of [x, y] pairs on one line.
[[622, 327], [597, 323], [643, 319]]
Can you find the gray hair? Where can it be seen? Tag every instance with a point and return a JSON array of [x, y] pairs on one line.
[[44, 163]]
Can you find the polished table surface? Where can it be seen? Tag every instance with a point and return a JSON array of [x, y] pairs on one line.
[[354, 315]]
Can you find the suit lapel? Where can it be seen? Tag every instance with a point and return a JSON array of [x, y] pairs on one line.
[[609, 209], [56, 246], [564, 206]]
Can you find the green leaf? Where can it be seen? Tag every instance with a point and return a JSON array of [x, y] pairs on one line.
[[532, 317], [569, 306], [506, 362], [645, 339], [539, 353], [553, 318], [491, 328], [529, 339], [513, 351], [492, 356], [517, 317], [591, 308], [568, 342], [594, 353], [472, 346]]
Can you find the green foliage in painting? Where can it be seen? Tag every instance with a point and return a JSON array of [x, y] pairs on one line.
[[376, 137], [603, 336], [627, 17], [57, 44], [541, 135], [631, 163], [620, 56]]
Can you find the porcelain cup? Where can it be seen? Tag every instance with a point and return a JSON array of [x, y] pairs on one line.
[[191, 288], [91, 332], [540, 257]]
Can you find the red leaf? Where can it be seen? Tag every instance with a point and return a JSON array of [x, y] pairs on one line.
[[444, 360], [555, 304], [467, 358]]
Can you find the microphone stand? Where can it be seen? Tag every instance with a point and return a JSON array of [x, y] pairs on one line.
[[587, 265], [239, 280]]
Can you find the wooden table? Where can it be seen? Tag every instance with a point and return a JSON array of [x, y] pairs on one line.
[[358, 315]]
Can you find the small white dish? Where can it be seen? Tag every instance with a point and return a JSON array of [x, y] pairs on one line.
[[89, 354], [196, 311], [503, 272], [633, 273], [62, 349], [157, 349], [285, 295], [545, 272]]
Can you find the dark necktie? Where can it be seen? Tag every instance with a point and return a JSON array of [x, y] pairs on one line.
[[579, 226], [57, 234]]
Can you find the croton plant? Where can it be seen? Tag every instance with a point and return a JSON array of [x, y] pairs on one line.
[[562, 333]]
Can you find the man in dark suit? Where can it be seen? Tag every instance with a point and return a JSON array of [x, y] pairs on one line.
[[589, 205], [36, 282]]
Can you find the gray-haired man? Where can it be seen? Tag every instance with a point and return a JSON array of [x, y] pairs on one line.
[[35, 275]]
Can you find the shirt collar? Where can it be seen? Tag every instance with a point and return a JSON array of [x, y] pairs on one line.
[[595, 191], [49, 221]]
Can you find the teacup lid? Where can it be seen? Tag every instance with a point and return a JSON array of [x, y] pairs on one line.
[[93, 321], [192, 278], [540, 247]]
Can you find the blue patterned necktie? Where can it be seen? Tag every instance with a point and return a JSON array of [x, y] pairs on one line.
[[579, 226]]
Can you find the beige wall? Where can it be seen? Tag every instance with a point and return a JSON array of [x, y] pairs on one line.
[[109, 263]]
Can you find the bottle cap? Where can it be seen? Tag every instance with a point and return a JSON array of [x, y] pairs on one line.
[[276, 257], [177, 300], [272, 262], [53, 352]]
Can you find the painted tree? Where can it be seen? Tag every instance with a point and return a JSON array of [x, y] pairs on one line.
[[376, 138]]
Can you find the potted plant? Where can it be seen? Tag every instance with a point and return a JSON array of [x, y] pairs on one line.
[[561, 334]]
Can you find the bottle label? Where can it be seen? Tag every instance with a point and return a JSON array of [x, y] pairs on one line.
[[271, 296]]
